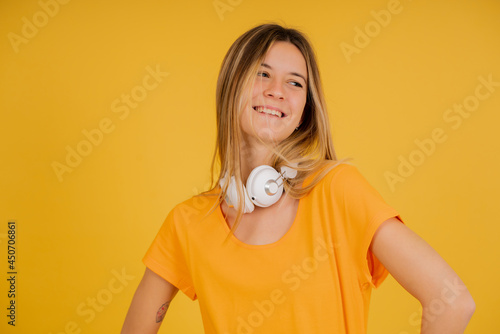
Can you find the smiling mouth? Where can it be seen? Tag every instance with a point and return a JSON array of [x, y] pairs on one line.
[[267, 111]]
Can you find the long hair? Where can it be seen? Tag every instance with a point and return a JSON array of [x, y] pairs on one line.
[[309, 149]]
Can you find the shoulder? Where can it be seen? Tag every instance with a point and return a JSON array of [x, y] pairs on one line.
[[345, 184], [195, 208], [337, 175]]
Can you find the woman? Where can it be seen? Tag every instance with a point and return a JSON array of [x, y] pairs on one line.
[[304, 262]]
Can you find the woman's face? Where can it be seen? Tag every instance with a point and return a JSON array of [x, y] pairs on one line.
[[279, 95]]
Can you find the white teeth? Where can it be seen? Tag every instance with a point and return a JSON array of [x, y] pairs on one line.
[[268, 111]]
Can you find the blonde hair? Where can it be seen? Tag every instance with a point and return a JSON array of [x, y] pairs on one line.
[[310, 146]]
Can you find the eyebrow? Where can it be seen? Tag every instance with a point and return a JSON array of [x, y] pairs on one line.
[[292, 73]]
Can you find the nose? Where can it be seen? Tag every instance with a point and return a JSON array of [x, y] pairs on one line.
[[274, 89]]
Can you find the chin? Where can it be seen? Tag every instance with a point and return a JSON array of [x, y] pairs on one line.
[[272, 131], [271, 137]]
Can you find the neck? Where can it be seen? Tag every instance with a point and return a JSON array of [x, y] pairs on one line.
[[253, 156]]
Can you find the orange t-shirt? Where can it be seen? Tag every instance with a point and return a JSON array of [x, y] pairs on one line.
[[316, 279]]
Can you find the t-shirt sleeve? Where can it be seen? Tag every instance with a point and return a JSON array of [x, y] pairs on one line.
[[167, 256], [364, 211]]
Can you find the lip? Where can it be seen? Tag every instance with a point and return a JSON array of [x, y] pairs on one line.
[[271, 107]]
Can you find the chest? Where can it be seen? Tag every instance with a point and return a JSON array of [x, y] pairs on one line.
[[282, 277], [264, 225]]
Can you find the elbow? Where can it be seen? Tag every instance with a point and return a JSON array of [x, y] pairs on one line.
[[467, 307], [463, 310], [456, 312], [464, 306]]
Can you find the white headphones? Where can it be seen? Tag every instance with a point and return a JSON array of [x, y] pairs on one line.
[[262, 188]]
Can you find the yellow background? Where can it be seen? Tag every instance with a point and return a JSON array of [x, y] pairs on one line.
[[75, 235]]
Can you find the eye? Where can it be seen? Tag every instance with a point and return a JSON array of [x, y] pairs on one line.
[[263, 74], [296, 84]]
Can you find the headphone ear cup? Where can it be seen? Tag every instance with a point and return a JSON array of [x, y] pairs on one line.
[[232, 196], [262, 186]]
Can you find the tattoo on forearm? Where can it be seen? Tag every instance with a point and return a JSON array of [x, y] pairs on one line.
[[161, 312]]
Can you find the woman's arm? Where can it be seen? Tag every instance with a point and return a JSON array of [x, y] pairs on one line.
[[447, 305], [149, 305]]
